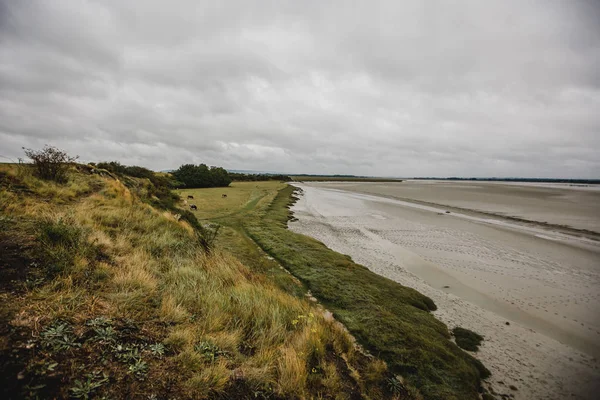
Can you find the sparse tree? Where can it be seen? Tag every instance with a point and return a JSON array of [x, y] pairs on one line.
[[50, 163]]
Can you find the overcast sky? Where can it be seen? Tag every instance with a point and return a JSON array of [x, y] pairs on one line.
[[392, 88]]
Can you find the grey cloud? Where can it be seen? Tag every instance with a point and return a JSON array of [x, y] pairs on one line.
[[497, 88]]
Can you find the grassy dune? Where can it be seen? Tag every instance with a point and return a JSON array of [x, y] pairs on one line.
[[390, 320], [104, 295]]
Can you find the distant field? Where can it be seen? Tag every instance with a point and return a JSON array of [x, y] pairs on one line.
[[240, 196], [313, 178]]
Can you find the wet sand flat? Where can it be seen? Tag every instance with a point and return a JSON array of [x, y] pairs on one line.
[[561, 204], [481, 273]]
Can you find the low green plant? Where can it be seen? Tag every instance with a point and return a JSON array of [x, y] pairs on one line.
[[209, 351], [99, 322], [31, 391], [105, 334], [127, 353], [32, 282], [157, 349], [84, 389], [467, 339], [51, 366], [58, 337], [139, 368], [395, 386]]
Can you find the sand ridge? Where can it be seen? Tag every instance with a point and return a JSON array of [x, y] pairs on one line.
[[547, 290]]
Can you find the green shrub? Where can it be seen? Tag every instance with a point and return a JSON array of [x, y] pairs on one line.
[[467, 339]]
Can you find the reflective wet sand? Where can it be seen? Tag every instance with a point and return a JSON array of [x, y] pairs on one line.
[[577, 206]]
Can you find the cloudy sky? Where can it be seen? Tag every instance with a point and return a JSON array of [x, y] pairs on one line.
[[393, 88]]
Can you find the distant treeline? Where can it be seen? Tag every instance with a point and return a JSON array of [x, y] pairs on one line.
[[188, 175], [532, 180], [201, 176], [237, 176]]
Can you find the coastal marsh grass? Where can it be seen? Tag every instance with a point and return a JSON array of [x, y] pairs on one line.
[[467, 339], [146, 308], [390, 320]]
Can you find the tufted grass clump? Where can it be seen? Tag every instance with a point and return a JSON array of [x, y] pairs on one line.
[[467, 339]]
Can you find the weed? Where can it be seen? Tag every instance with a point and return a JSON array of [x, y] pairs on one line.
[[105, 334], [139, 369], [42, 368], [129, 326], [31, 391], [32, 282], [84, 389], [58, 337], [209, 351], [51, 366], [157, 350], [395, 386], [99, 322], [127, 354]]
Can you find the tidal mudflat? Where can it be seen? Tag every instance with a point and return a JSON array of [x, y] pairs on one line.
[[531, 288]]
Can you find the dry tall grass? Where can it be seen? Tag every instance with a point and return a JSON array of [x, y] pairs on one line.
[[226, 328]]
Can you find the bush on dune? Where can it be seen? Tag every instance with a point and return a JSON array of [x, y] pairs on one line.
[[50, 163]]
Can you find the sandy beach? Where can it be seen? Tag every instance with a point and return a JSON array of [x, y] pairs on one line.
[[532, 289]]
